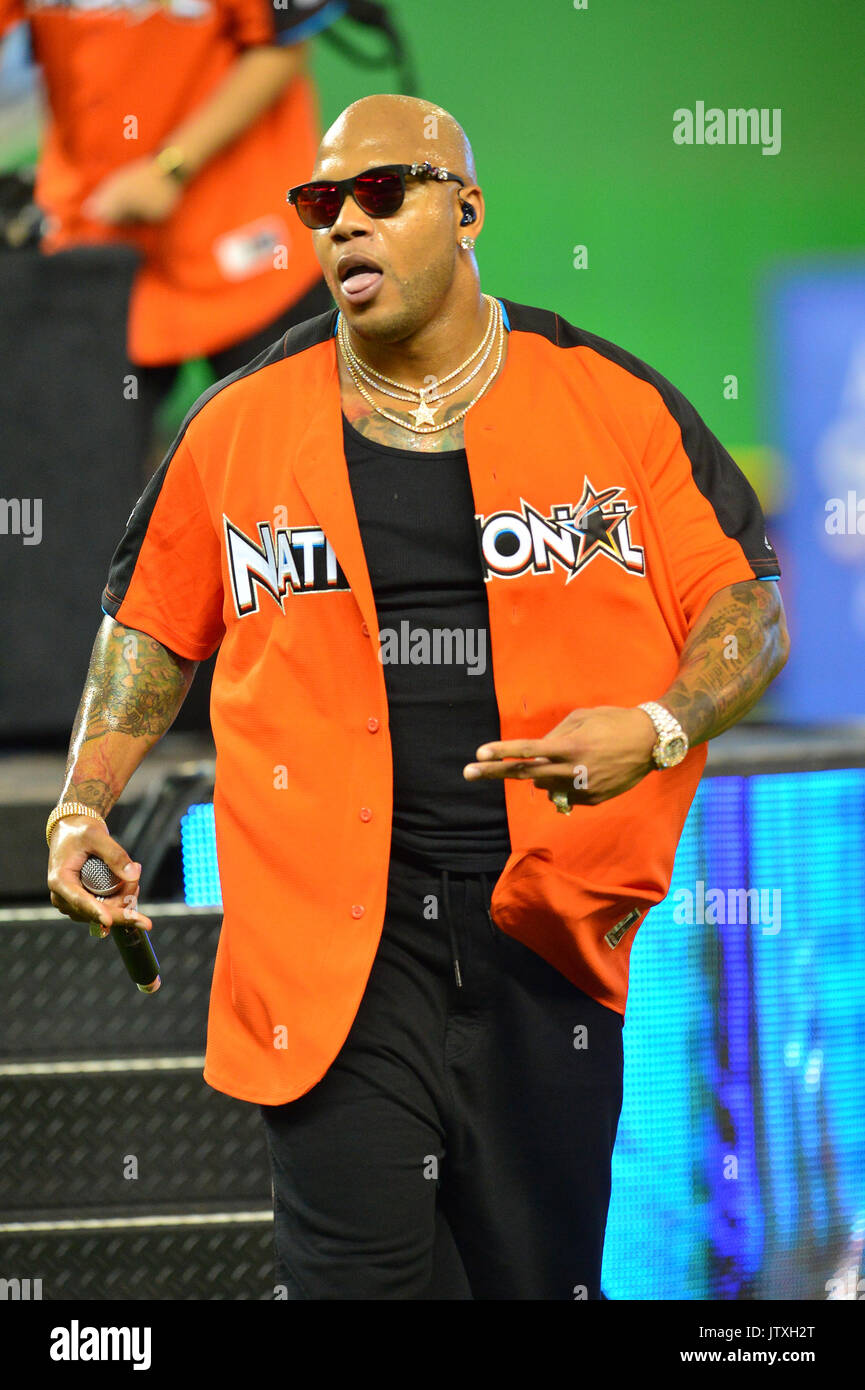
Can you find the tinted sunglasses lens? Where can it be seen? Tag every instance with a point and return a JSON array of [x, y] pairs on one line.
[[379, 194], [318, 205]]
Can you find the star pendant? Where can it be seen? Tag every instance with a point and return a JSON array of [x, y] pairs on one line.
[[424, 415]]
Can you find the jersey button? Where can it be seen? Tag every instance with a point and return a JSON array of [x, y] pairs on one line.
[[364, 627], [365, 813], [372, 724], [357, 910]]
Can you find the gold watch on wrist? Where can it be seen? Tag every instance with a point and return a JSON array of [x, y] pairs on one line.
[[170, 160], [672, 742]]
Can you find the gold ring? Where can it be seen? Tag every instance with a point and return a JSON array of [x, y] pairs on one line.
[[562, 804]]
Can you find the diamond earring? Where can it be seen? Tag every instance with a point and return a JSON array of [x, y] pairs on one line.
[[467, 243]]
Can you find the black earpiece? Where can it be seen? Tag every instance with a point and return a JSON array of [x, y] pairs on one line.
[[469, 214]]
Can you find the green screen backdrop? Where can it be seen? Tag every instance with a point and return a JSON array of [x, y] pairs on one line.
[[570, 113]]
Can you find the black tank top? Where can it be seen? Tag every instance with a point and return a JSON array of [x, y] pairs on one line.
[[415, 512]]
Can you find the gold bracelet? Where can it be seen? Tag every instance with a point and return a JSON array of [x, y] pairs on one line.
[[69, 808], [170, 160]]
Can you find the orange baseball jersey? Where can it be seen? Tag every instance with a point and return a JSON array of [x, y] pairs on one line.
[[606, 513], [120, 77]]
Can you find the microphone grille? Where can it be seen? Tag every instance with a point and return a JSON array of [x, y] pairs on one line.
[[97, 878]]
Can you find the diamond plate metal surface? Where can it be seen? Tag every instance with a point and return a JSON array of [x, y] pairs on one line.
[[68, 995], [124, 1140], [89, 1136], [212, 1262]]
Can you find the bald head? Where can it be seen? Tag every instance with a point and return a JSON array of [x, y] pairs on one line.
[[417, 269], [394, 129]]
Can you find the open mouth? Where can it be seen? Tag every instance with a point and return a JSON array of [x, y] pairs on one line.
[[359, 278]]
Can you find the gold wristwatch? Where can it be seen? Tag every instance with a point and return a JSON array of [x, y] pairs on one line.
[[672, 742]]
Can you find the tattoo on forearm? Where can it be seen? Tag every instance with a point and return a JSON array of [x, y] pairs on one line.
[[134, 687], [735, 650]]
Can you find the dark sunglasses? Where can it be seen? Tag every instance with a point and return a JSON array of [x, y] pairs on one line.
[[379, 192]]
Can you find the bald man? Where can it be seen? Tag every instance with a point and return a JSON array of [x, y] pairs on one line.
[[483, 585]]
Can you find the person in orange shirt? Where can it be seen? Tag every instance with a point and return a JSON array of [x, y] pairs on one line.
[[472, 574], [174, 127]]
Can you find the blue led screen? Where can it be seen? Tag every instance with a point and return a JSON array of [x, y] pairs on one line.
[[816, 355]]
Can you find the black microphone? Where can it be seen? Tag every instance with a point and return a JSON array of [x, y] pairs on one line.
[[132, 941]]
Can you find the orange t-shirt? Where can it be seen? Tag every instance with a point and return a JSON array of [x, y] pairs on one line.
[[608, 515], [119, 79]]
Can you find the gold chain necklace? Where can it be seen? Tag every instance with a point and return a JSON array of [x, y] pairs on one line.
[[424, 392], [421, 426], [425, 412], [421, 393], [423, 408]]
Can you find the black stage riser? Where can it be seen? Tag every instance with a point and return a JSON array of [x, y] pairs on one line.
[[67, 995], [126, 1140], [218, 1261]]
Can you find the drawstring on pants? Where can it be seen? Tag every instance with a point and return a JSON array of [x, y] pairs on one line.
[[452, 932]]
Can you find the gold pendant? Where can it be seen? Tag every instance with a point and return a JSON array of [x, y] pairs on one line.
[[424, 414]]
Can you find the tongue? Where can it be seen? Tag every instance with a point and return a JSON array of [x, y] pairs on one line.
[[361, 281]]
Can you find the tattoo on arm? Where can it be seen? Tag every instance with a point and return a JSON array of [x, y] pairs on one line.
[[133, 691], [735, 649]]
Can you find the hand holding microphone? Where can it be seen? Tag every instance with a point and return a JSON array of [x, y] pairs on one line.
[[92, 880], [132, 942]]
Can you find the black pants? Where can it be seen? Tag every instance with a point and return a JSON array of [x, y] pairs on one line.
[[459, 1146]]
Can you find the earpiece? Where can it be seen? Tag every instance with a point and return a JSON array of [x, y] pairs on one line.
[[469, 214]]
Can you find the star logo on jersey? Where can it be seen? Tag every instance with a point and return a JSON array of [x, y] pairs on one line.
[[570, 536], [601, 523]]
